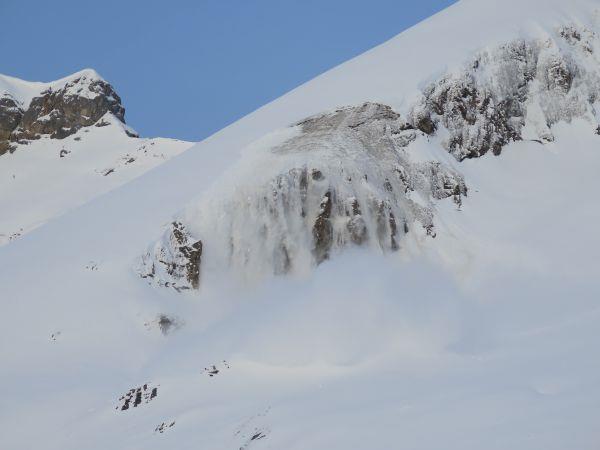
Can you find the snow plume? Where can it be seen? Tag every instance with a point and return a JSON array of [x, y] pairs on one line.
[[351, 311], [337, 180]]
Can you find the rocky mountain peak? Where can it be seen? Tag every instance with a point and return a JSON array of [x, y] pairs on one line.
[[57, 109]]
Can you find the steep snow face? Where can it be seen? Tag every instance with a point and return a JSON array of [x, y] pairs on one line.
[[356, 176], [66, 143]]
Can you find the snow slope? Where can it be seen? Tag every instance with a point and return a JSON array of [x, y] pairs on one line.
[[47, 177], [480, 338]]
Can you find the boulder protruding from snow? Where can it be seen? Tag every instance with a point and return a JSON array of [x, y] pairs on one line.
[[174, 261]]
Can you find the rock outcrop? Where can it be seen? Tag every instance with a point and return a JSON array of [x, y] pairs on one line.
[[11, 114], [137, 396], [513, 92], [58, 111], [174, 262]]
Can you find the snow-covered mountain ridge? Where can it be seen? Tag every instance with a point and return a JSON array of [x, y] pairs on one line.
[[480, 338], [63, 143], [57, 109]]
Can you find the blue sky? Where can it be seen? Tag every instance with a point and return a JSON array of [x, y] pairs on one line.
[[186, 69]]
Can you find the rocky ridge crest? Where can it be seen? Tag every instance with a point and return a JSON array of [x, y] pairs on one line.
[[58, 111]]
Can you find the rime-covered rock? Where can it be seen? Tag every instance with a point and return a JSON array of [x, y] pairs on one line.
[[344, 179], [512, 92]]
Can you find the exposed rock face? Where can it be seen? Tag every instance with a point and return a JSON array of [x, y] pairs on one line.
[[322, 231], [174, 262], [505, 91], [10, 116], [58, 113], [344, 179]]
